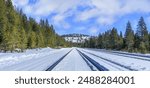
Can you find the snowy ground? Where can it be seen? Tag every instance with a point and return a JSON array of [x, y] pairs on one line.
[[72, 59]]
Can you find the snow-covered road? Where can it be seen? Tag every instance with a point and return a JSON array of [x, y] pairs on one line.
[[72, 59], [72, 62]]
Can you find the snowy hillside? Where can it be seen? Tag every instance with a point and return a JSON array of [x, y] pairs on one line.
[[73, 59], [76, 38]]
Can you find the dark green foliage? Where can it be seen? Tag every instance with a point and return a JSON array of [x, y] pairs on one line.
[[3, 24], [129, 38], [17, 31], [120, 41], [142, 48], [142, 37], [23, 39], [138, 42], [32, 40], [114, 39]]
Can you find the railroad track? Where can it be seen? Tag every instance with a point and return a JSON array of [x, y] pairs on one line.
[[110, 61]]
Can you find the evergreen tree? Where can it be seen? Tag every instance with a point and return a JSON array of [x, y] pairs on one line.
[[17, 31], [142, 35], [40, 40], [23, 40], [106, 40], [12, 27], [129, 38], [120, 41], [142, 48], [92, 42], [99, 41], [114, 39], [3, 24], [32, 40]]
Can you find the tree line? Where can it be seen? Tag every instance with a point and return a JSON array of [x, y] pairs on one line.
[[137, 41], [22, 32]]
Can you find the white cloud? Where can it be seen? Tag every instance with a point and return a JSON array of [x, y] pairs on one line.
[[59, 20], [47, 7], [87, 14], [43, 8], [104, 11], [20, 3], [131, 6], [93, 30], [107, 12], [27, 9], [106, 20]]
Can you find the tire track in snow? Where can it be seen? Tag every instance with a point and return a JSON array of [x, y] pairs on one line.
[[57, 62], [30, 66], [87, 62], [131, 56], [134, 56], [113, 62], [93, 62]]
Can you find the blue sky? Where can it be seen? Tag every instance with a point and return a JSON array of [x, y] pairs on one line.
[[87, 16]]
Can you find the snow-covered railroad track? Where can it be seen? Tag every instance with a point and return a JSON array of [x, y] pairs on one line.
[[112, 62], [58, 61], [93, 62]]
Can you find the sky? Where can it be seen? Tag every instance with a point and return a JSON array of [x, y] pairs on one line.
[[87, 16]]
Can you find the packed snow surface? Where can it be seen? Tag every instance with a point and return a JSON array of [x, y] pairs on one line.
[[72, 60]]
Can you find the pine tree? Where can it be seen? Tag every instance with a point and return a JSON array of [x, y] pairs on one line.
[[106, 40], [142, 48], [120, 41], [23, 40], [99, 40], [92, 42], [32, 40], [3, 24], [142, 35], [17, 31], [12, 27], [40, 40], [129, 38], [114, 38]]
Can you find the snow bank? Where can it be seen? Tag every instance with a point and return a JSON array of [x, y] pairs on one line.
[[7, 59]]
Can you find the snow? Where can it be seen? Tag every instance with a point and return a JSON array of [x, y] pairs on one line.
[[31, 60], [72, 62], [129, 62], [41, 59], [122, 52], [77, 39], [12, 58]]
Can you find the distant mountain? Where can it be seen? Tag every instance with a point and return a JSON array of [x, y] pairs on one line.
[[76, 38]]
